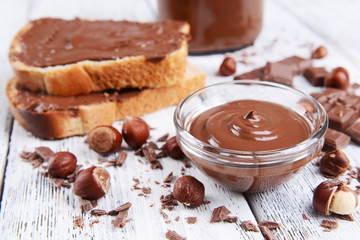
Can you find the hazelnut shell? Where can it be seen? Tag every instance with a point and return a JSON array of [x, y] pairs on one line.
[[61, 164], [189, 191], [104, 139], [135, 132], [92, 183]]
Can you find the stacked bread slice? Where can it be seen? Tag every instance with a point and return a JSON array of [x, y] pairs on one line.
[[73, 75]]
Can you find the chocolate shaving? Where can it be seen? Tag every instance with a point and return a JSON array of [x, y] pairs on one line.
[[98, 212], [156, 165], [119, 209], [231, 219], [57, 182], [177, 219], [206, 202], [79, 222], [219, 214], [149, 153], [348, 217], [44, 152], [146, 190], [120, 220], [165, 216], [161, 153], [305, 217], [87, 205], [153, 145], [163, 138], [172, 235], [191, 220], [269, 224], [102, 160], [268, 235], [168, 202], [121, 158], [33, 158], [169, 178], [249, 226], [327, 224]]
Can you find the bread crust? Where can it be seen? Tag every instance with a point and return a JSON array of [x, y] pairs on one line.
[[89, 76], [80, 120]]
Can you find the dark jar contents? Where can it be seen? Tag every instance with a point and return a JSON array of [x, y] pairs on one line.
[[216, 25]]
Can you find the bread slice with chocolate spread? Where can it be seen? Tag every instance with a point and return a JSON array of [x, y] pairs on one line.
[[52, 117], [72, 57]]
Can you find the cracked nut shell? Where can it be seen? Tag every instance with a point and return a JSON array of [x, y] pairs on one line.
[[189, 191], [61, 164], [92, 183], [135, 132], [334, 163], [104, 139], [333, 196]]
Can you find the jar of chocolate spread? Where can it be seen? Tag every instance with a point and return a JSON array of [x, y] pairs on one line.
[[216, 25]]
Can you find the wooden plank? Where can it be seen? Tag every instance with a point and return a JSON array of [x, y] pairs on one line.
[[7, 10]]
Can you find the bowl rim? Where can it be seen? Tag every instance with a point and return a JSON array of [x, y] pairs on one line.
[[264, 154]]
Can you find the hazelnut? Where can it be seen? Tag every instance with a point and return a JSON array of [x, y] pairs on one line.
[[320, 52], [334, 163], [189, 191], [337, 78], [228, 67], [135, 132], [172, 148], [104, 139], [92, 183], [333, 196], [61, 164]]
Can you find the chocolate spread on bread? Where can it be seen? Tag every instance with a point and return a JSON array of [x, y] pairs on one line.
[[51, 41]]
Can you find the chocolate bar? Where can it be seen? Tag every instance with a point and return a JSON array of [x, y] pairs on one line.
[[315, 75], [279, 73], [341, 117], [335, 139]]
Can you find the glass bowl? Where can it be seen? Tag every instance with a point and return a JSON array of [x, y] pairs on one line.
[[245, 171]]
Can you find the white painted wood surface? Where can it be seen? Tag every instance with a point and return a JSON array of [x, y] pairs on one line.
[[32, 208]]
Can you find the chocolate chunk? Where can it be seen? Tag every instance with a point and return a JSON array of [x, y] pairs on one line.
[[172, 235], [146, 190], [299, 64], [256, 74], [335, 139], [98, 212], [149, 153], [341, 117], [169, 178], [315, 75], [191, 220], [249, 226], [268, 235], [86, 205], [269, 224], [156, 165], [168, 202], [329, 224], [120, 220], [231, 219], [348, 217], [79, 222], [279, 73], [354, 132], [121, 208], [121, 158], [219, 214], [163, 138], [44, 152]]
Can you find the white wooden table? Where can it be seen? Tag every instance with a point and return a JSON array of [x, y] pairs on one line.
[[32, 208]]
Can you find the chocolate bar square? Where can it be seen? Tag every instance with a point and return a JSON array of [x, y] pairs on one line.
[[299, 63], [335, 139], [316, 75], [341, 117], [279, 73], [354, 132]]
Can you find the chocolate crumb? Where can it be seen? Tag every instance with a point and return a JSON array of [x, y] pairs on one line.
[[269, 224], [177, 219], [157, 182], [206, 202], [94, 222], [98, 212], [87, 205], [249, 226], [169, 178], [120, 220], [191, 220], [186, 163], [172, 235], [219, 214], [146, 190], [348, 217], [168, 202], [165, 216], [268, 235], [102, 160], [163, 138], [57, 182], [156, 165], [44, 152], [330, 225], [305, 217], [231, 219], [79, 222], [121, 208]]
